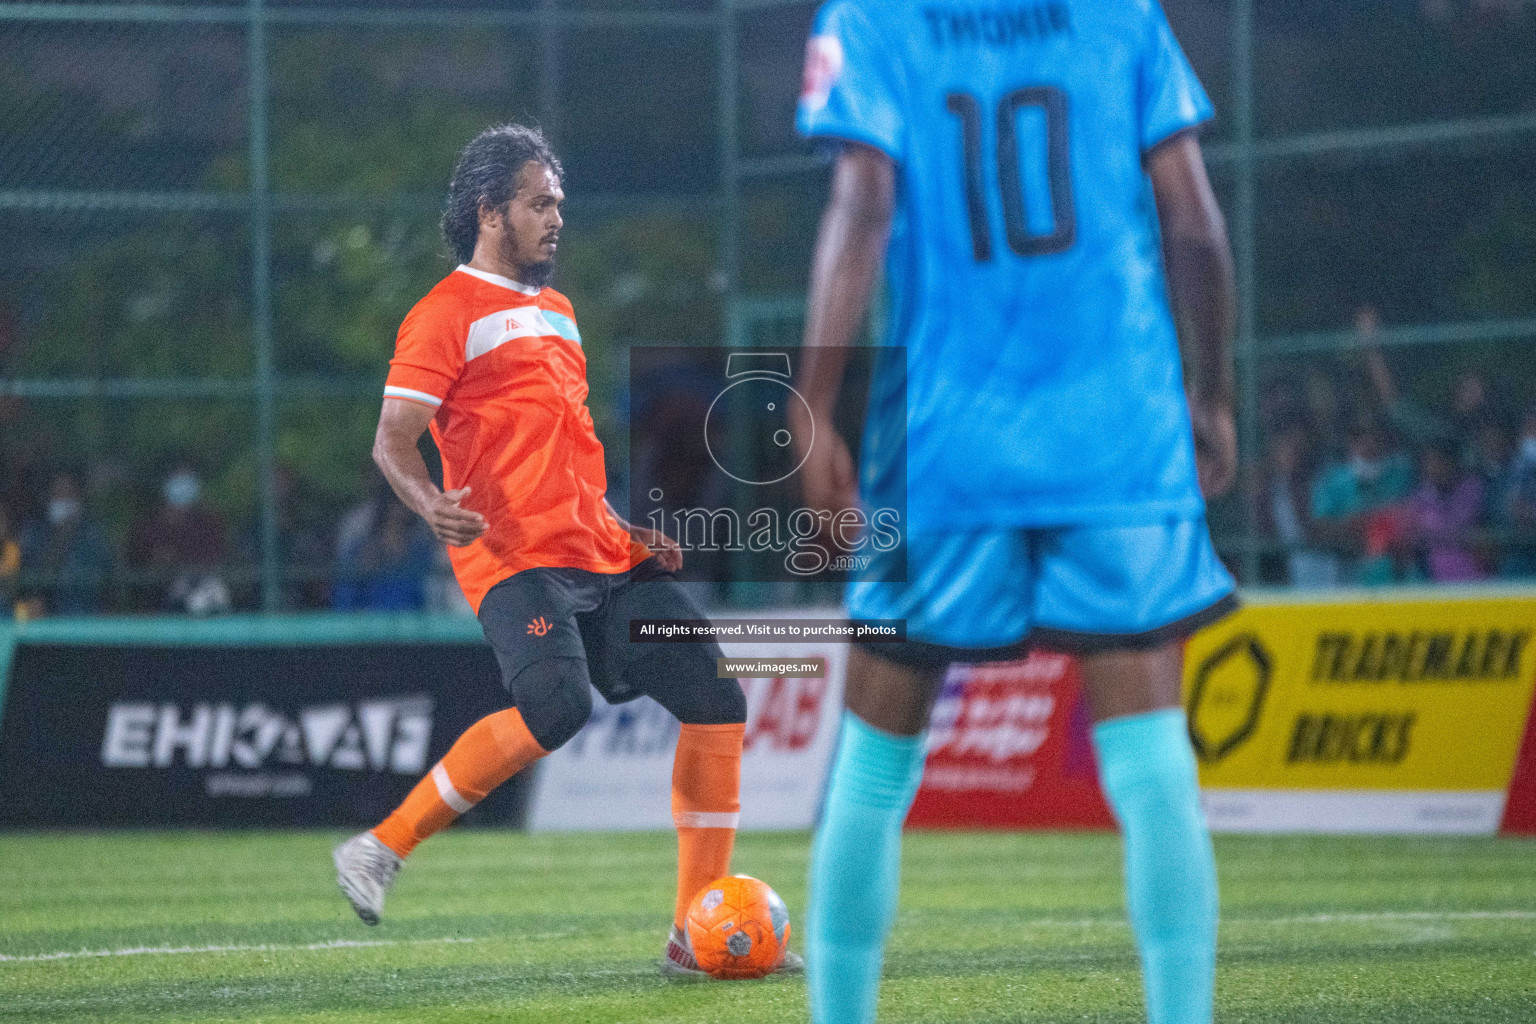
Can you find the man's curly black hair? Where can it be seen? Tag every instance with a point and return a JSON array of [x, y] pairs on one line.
[[485, 174]]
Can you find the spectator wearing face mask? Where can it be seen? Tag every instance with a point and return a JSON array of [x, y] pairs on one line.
[[65, 559], [182, 547], [1356, 504], [1519, 502]]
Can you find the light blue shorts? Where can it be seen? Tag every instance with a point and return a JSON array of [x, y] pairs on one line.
[[986, 595]]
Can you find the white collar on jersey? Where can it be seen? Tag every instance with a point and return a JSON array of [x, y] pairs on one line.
[[497, 279]]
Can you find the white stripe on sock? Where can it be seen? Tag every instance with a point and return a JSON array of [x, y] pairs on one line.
[[445, 789], [706, 819]]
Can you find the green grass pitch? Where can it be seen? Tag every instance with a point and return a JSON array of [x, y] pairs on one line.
[[494, 926]]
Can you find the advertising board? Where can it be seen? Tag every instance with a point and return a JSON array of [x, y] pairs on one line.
[[1009, 748], [1389, 715], [135, 734]]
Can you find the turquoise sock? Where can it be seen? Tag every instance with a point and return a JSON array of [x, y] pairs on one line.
[[1147, 770], [855, 869]]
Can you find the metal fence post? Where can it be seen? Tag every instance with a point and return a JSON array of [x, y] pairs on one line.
[[730, 176], [740, 591], [261, 306], [549, 69], [1243, 244]]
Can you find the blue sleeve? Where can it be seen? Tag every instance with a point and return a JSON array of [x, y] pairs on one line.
[[851, 86], [1170, 97], [1325, 503]]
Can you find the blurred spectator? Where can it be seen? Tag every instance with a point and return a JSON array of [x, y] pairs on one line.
[[1354, 503], [358, 522], [183, 543], [1489, 461], [1324, 411], [10, 563], [1460, 425], [1443, 514], [1519, 502], [1285, 510], [440, 589], [443, 591], [305, 522], [670, 464], [65, 559], [305, 527], [387, 568]]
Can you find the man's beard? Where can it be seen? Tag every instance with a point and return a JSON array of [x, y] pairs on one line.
[[534, 275], [537, 275]]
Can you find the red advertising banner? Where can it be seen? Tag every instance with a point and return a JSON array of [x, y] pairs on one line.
[[1520, 807], [1009, 748]]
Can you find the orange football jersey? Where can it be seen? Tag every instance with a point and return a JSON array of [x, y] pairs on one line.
[[502, 364]]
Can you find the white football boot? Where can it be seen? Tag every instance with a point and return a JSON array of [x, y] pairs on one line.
[[679, 964], [365, 869]]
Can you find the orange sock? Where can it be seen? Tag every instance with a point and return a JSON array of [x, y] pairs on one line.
[[706, 803], [489, 753]]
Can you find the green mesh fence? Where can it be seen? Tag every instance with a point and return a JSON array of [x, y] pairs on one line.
[[216, 214]]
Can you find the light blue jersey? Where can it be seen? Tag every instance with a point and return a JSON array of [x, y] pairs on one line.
[[1043, 372]]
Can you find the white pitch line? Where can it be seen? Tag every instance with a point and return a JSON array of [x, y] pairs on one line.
[[1367, 917], [76, 954], [1379, 917], [1405, 915]]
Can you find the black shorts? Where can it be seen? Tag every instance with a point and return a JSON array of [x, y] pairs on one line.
[[544, 613]]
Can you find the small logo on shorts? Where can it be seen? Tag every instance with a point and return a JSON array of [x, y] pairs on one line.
[[538, 627]]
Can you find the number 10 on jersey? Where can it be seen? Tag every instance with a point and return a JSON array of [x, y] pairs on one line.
[[1052, 102]]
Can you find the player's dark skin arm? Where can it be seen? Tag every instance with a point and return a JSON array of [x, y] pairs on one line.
[[401, 424], [849, 250], [1202, 286]]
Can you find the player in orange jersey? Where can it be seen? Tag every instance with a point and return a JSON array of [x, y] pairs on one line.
[[491, 362]]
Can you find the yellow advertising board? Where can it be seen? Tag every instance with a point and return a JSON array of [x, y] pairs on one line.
[[1403, 694]]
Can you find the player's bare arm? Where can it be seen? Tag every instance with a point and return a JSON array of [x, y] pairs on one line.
[[850, 247], [401, 424], [668, 554], [1202, 285]]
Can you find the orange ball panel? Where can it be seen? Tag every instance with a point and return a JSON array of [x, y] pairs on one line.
[[738, 928]]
